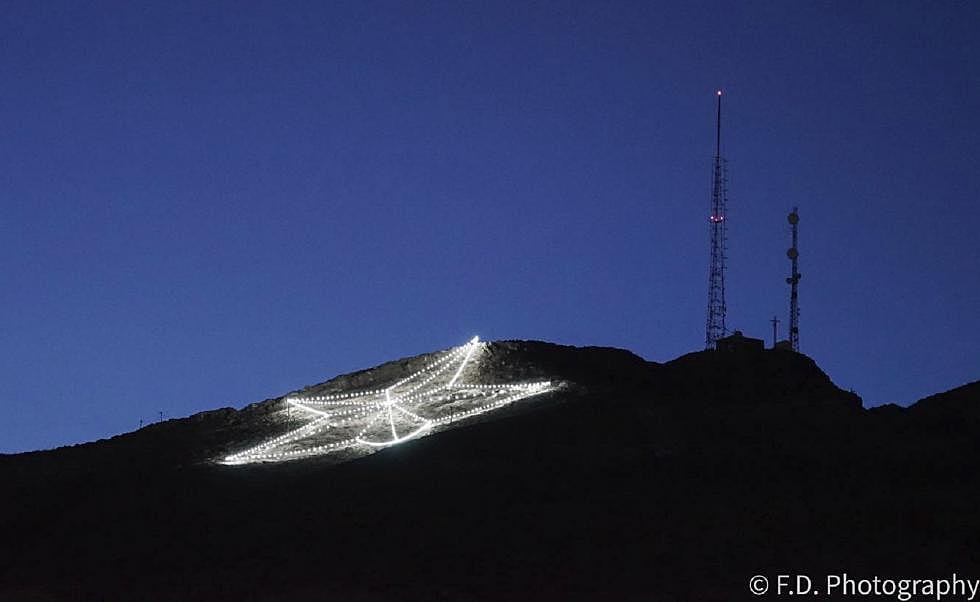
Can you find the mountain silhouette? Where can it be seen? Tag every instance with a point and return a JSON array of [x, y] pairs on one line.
[[634, 480]]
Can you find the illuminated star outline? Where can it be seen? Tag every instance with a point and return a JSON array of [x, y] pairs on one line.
[[381, 405]]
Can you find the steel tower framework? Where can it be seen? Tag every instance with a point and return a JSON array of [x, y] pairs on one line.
[[794, 282], [715, 326]]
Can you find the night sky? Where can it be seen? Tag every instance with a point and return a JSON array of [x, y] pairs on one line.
[[207, 204]]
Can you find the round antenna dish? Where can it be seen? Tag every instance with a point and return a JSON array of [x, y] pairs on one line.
[[793, 218], [792, 253]]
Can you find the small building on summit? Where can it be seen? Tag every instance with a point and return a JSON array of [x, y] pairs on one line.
[[739, 343]]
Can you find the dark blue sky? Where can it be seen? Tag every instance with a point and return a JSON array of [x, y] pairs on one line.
[[210, 203]]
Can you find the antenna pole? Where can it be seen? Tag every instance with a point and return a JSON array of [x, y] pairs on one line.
[[715, 324], [718, 129], [775, 330]]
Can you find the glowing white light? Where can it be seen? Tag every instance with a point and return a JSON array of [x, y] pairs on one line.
[[472, 345], [438, 402]]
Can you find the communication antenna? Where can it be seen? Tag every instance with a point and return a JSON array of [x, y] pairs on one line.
[[775, 331], [715, 326], [794, 283]]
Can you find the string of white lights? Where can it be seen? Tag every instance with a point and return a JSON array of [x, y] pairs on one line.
[[537, 389], [294, 435], [448, 358], [344, 398], [291, 454], [471, 345]]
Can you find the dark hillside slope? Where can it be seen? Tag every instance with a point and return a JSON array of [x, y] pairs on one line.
[[961, 404], [643, 481]]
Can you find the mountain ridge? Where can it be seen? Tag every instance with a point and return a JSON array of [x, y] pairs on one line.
[[542, 359], [672, 481]]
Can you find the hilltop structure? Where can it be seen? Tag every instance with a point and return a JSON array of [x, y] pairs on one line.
[[739, 343]]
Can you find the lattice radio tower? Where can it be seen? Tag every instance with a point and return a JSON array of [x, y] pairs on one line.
[[715, 328], [794, 283]]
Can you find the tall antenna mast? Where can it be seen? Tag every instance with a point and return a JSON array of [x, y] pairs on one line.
[[715, 327], [794, 283]]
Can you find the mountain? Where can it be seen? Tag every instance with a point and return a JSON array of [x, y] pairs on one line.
[[632, 480]]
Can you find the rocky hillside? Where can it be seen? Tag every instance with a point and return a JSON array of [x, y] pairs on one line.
[[638, 481]]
